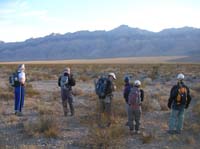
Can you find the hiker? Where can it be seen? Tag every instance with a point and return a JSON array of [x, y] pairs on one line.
[[127, 88], [20, 89], [104, 89], [65, 82], [135, 99], [179, 100]]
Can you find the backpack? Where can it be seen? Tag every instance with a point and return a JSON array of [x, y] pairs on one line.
[[64, 80], [101, 86], [134, 99], [14, 80], [182, 95]]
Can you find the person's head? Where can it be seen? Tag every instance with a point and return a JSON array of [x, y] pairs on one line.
[[112, 76], [126, 79], [21, 67], [66, 71], [180, 77], [137, 83]]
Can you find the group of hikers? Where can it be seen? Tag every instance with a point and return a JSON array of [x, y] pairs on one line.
[[133, 94]]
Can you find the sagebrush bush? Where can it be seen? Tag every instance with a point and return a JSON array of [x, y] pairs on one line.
[[147, 138], [105, 138], [43, 125], [30, 91]]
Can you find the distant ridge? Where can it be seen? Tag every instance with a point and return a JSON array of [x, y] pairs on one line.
[[123, 41]]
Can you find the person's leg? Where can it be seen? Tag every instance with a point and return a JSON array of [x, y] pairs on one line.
[[70, 101], [101, 111], [108, 113], [126, 108], [172, 120], [108, 109], [64, 102], [22, 99], [17, 92], [130, 118], [137, 120], [180, 120]]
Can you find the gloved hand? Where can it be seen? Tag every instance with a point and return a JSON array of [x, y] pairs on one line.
[[186, 106], [169, 105]]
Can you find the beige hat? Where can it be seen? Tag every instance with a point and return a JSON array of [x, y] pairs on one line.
[[113, 75], [66, 70], [21, 67]]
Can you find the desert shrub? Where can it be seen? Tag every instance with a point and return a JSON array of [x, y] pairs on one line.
[[44, 125], [6, 96], [147, 138], [78, 92], [190, 140], [44, 109], [154, 73], [104, 138], [196, 87], [118, 107], [30, 91], [196, 109]]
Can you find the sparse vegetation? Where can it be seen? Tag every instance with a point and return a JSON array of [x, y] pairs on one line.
[[44, 123], [147, 138]]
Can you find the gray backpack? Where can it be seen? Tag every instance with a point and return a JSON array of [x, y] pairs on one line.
[[64, 82], [134, 98]]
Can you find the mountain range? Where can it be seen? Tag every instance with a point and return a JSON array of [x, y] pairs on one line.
[[123, 41]]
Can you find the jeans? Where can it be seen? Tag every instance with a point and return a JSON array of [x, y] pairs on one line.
[[19, 98], [176, 119]]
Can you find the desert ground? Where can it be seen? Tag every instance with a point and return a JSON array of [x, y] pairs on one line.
[[43, 124]]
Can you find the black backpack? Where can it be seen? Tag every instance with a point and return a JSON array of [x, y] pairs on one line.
[[101, 86], [14, 79]]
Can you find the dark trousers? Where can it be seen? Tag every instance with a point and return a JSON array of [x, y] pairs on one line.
[[67, 98]]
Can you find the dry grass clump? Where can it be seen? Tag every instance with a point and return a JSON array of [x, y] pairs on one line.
[[6, 95], [30, 91], [196, 109], [196, 87], [77, 91], [44, 125], [190, 140], [174, 138], [104, 138], [118, 108], [44, 109], [147, 138]]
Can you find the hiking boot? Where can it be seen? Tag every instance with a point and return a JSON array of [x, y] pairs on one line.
[[126, 124], [171, 132], [131, 132], [108, 124], [137, 132], [19, 114], [177, 131], [65, 114]]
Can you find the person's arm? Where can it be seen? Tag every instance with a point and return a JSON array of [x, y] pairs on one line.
[[188, 98], [59, 81], [142, 95], [173, 94], [72, 81]]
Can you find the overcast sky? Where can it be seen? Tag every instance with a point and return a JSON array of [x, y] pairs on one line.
[[23, 19]]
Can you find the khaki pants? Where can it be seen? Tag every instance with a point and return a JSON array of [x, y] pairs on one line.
[[134, 118], [105, 107]]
